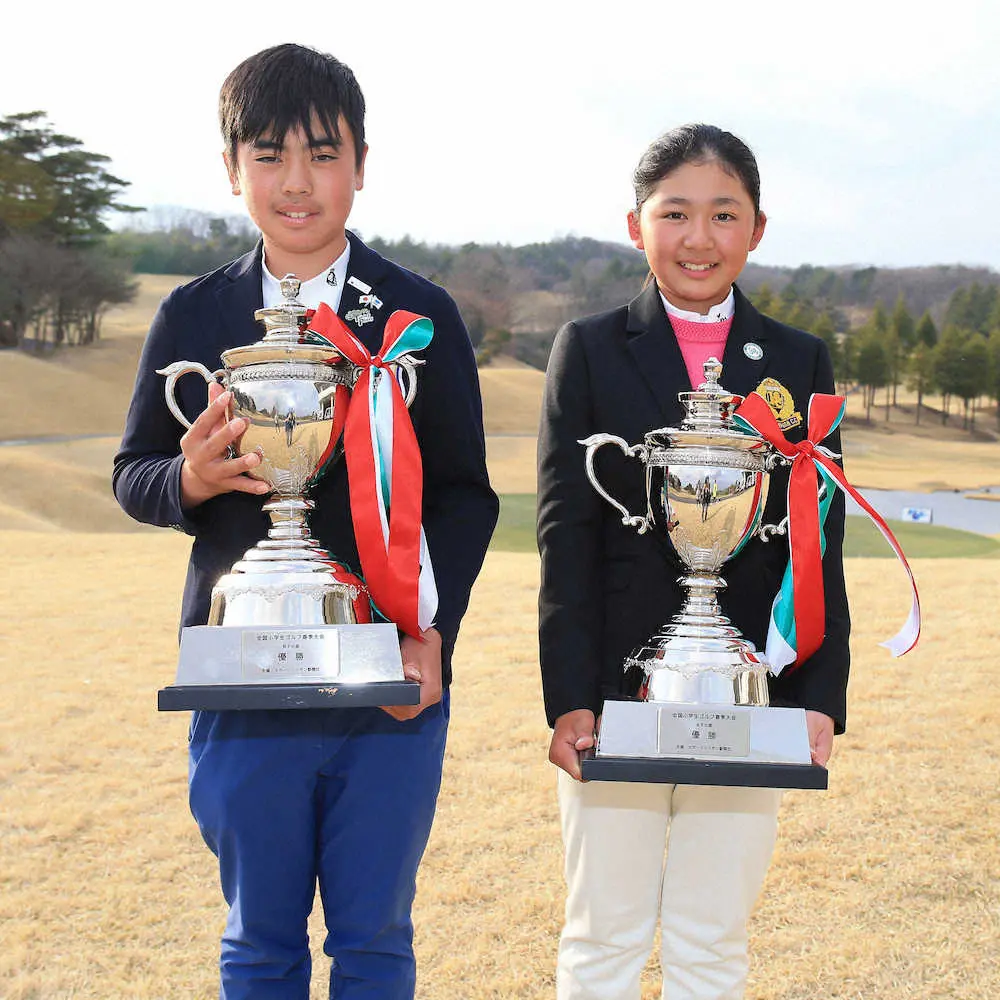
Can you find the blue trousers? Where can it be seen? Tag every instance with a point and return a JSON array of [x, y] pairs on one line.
[[342, 797]]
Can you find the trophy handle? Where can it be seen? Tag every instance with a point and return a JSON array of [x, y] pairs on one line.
[[174, 372], [409, 381], [767, 531], [595, 441]]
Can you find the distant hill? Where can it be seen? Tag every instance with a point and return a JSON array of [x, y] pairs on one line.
[[529, 291]]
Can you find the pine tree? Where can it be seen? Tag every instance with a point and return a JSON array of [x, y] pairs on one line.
[[920, 369], [824, 329], [53, 199], [871, 367], [949, 366], [993, 354], [926, 332]]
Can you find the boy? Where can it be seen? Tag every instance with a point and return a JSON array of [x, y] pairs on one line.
[[342, 797]]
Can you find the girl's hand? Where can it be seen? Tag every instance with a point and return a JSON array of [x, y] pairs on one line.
[[207, 470], [573, 733], [820, 728]]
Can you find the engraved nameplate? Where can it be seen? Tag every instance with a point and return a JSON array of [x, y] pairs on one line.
[[706, 731], [281, 654]]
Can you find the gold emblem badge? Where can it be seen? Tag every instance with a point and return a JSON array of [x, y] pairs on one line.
[[782, 405]]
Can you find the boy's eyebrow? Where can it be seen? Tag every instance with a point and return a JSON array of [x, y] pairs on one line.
[[317, 142]]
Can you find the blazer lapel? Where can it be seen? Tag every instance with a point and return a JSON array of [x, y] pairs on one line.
[[657, 356], [748, 353], [238, 299], [366, 272]]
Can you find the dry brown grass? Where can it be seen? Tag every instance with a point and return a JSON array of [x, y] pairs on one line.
[[883, 887], [87, 391]]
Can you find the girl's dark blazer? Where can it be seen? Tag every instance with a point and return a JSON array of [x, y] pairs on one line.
[[200, 320], [605, 588]]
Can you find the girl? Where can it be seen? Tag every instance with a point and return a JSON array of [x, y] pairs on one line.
[[605, 589]]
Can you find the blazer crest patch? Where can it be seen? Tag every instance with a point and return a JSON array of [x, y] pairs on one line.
[[781, 402]]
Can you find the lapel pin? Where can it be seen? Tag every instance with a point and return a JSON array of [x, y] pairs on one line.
[[753, 351], [359, 316], [360, 285], [371, 300]]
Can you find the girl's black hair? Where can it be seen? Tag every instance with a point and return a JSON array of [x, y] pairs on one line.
[[696, 144], [281, 88]]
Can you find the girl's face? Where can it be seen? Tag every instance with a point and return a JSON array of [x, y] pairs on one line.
[[697, 228]]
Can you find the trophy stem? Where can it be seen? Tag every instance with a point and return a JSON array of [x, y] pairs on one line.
[[288, 519], [701, 603], [700, 655]]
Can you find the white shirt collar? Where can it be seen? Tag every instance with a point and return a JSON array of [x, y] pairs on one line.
[[315, 290], [717, 314]]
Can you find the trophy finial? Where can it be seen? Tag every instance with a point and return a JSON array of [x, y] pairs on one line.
[[282, 320], [712, 369], [290, 286]]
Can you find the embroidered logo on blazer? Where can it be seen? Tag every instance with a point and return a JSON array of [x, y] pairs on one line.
[[782, 405]]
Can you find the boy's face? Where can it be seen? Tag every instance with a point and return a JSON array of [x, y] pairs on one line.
[[299, 195]]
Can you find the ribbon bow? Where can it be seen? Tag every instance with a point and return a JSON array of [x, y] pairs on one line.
[[798, 615], [384, 469]]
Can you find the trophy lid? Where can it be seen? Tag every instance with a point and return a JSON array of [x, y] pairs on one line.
[[286, 338], [709, 407], [708, 419], [283, 321]]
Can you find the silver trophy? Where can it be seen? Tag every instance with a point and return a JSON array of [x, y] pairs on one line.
[[289, 626], [703, 715]]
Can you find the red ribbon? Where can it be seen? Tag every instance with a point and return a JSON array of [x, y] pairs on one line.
[[803, 519], [803, 507], [391, 569]]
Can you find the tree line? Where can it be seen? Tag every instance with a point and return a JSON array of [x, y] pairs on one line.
[[56, 275], [61, 268], [960, 361]]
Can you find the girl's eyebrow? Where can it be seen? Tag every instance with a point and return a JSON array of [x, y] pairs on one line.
[[678, 200]]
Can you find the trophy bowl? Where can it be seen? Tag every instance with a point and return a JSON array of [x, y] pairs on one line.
[[270, 617]]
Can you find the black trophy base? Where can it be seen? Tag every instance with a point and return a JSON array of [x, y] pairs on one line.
[[247, 697], [682, 771]]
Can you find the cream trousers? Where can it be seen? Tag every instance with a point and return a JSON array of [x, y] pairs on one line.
[[693, 856]]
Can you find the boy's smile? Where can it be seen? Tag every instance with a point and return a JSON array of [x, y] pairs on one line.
[[299, 194], [696, 229]]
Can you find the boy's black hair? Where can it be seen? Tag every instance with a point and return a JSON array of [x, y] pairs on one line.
[[280, 88], [696, 143]]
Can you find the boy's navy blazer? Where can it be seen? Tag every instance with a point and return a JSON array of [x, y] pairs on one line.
[[211, 314], [606, 589]]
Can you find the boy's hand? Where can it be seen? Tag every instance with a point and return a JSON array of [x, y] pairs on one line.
[[421, 662], [573, 733], [820, 728], [207, 470]]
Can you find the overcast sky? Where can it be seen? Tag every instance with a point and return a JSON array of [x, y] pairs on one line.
[[876, 123]]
